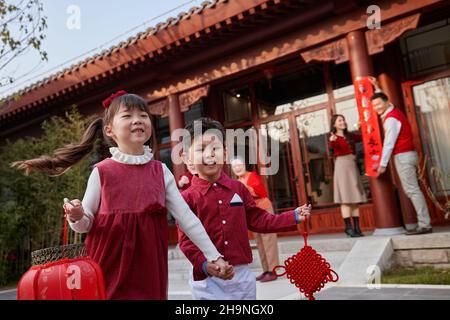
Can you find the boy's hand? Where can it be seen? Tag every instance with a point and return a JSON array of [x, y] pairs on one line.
[[74, 210], [304, 210], [221, 269]]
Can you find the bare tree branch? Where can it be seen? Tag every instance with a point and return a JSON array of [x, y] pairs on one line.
[[22, 28]]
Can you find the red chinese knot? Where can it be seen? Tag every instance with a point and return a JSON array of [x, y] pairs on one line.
[[307, 270]]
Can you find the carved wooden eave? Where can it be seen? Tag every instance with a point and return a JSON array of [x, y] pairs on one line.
[[185, 99], [334, 51], [376, 39], [159, 108]]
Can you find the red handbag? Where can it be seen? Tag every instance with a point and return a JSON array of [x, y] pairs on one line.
[[307, 269], [62, 273]]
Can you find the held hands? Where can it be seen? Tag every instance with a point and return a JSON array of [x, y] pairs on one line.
[[221, 269], [333, 137], [303, 211], [74, 209]]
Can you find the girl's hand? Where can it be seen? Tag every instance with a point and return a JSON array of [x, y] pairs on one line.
[[333, 137], [74, 210], [214, 270], [225, 271]]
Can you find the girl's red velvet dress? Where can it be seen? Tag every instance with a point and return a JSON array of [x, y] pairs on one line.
[[128, 238]]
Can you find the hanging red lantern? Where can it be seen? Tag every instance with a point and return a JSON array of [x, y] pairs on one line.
[[62, 273], [268, 73]]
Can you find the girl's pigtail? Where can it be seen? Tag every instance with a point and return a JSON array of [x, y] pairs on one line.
[[66, 157]]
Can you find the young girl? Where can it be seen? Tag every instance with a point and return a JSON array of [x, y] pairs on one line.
[[348, 189], [124, 209]]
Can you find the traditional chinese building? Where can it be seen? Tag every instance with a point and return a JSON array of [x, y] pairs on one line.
[[282, 67]]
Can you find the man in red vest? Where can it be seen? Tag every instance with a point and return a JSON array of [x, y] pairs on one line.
[[398, 141]]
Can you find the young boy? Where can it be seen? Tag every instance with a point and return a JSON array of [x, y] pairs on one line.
[[227, 209]]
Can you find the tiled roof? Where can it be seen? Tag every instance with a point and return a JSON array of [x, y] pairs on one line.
[[130, 41]]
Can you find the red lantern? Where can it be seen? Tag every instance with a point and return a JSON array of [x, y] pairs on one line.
[[307, 269], [73, 276], [268, 73]]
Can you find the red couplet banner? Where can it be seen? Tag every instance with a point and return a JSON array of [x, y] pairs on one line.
[[370, 128]]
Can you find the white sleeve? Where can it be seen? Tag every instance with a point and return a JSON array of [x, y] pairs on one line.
[[391, 131], [188, 221], [90, 203]]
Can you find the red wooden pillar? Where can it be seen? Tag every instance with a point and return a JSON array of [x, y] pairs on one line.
[[388, 80], [386, 213], [176, 121]]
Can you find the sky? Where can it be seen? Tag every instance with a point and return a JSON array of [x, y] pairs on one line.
[[101, 22]]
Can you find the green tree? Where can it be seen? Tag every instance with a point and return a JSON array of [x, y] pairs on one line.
[[31, 213], [22, 29]]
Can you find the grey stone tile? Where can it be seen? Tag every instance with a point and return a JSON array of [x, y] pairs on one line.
[[431, 292]]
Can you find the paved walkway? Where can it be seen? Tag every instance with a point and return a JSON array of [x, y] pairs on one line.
[[282, 289], [407, 292], [271, 291]]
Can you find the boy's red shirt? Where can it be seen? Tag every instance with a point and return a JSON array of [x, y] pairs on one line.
[[227, 223]]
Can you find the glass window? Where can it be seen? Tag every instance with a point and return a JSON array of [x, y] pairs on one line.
[[313, 128], [237, 105], [162, 130], [349, 109], [293, 91], [426, 49], [281, 185], [244, 146], [433, 116], [195, 112]]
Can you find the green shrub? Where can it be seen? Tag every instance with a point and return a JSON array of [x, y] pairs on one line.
[[31, 213]]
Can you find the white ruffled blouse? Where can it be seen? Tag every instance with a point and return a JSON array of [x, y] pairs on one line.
[[175, 203], [118, 156]]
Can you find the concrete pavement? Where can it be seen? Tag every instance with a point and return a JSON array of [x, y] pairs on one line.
[[344, 254]]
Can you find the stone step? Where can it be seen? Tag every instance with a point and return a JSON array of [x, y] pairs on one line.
[[335, 258], [366, 260], [334, 249], [179, 268], [320, 245], [291, 245]]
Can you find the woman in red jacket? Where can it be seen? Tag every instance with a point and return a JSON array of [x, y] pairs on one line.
[[267, 243], [347, 186]]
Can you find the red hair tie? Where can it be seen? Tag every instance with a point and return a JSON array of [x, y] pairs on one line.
[[106, 103]]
